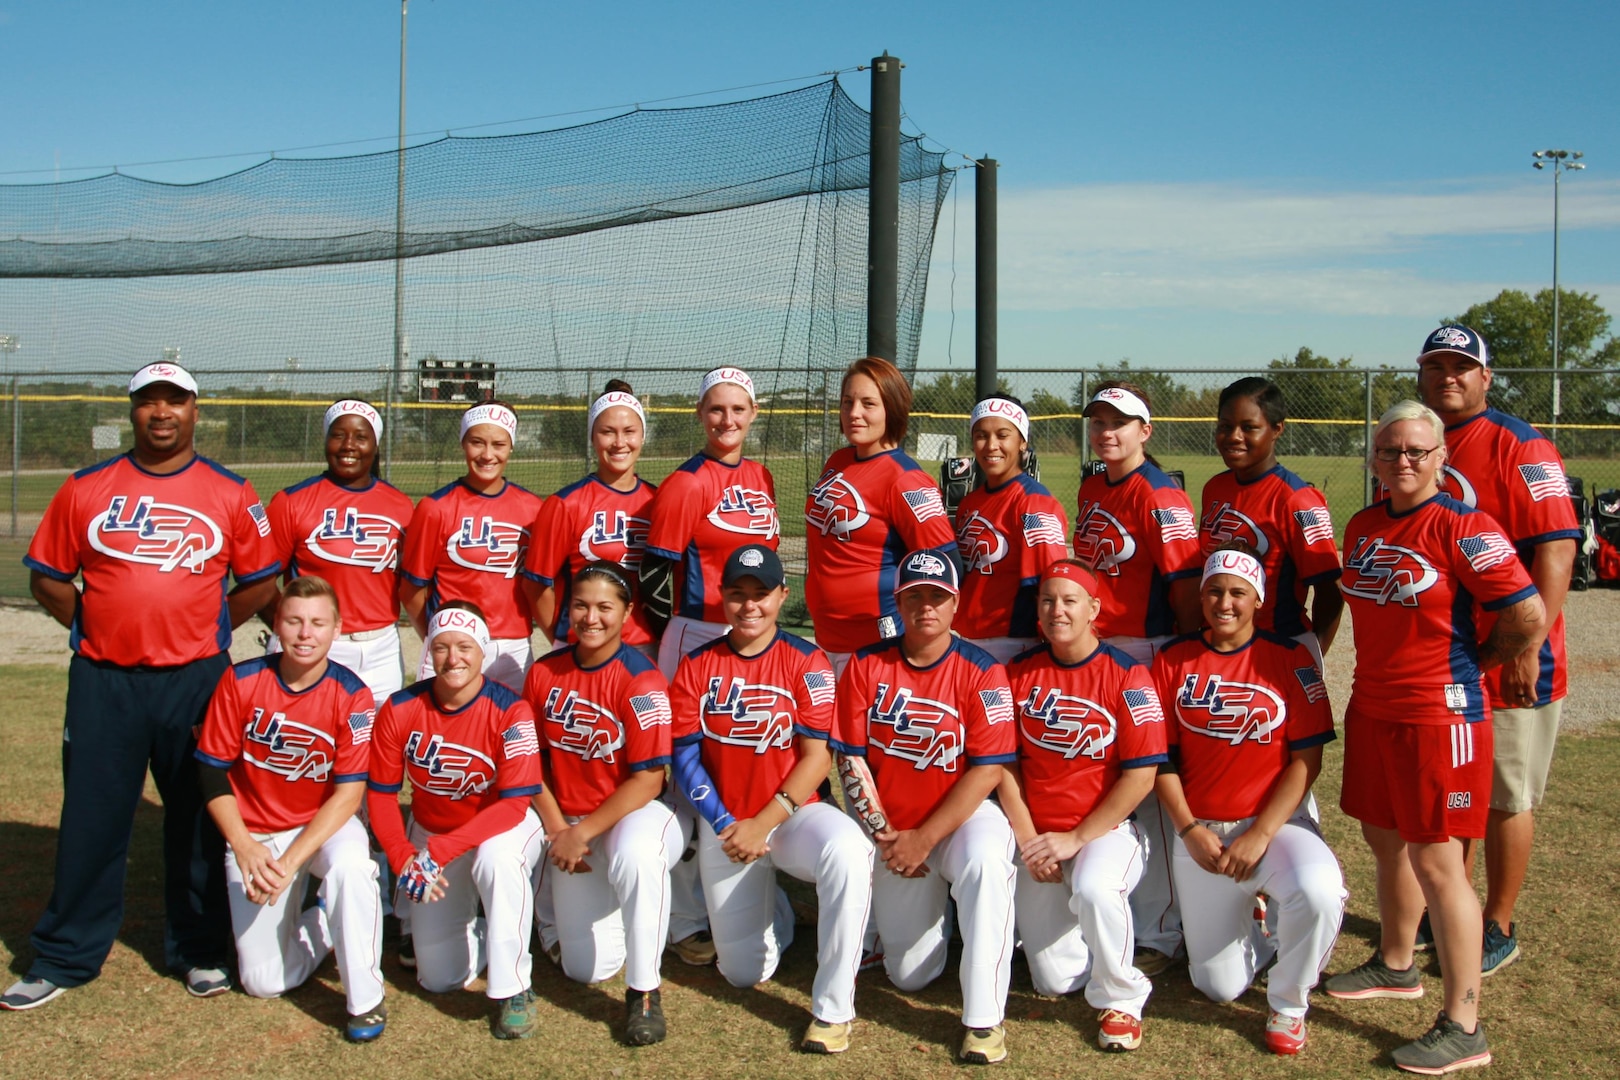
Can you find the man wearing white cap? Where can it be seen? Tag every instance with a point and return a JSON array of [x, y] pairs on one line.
[[155, 533]]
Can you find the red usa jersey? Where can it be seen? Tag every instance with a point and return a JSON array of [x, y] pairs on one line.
[[1138, 535], [1503, 466], [1411, 581], [1286, 520], [703, 512], [1235, 717], [155, 552], [351, 537], [920, 729], [746, 712], [1078, 726], [459, 763], [598, 725], [861, 518], [584, 522], [470, 546], [286, 748], [1006, 537]]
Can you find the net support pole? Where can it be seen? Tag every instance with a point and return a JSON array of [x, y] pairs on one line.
[[397, 383], [883, 222], [984, 278]]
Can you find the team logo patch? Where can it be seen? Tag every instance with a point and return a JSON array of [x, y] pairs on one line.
[[651, 708], [835, 508], [754, 715], [1101, 541], [487, 545], [360, 726], [291, 750], [579, 726], [747, 511], [445, 768], [1486, 550], [925, 732], [352, 538], [1451, 337], [980, 544], [1229, 711], [260, 518], [164, 535], [519, 740], [615, 536], [752, 558], [1066, 724], [1225, 523], [1386, 573], [1546, 480], [924, 562]]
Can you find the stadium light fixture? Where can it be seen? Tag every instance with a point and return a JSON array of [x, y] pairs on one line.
[[1560, 161]]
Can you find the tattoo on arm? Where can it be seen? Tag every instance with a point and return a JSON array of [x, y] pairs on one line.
[[1515, 631]]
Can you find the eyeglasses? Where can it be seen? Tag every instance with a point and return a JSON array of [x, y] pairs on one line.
[[1414, 454]]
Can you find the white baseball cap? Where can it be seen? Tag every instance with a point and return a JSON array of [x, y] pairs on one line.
[[173, 374]]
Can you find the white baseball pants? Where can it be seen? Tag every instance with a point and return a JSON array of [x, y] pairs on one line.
[[1225, 946], [1078, 932], [617, 915], [753, 922], [279, 947], [974, 866], [509, 663], [1004, 648], [681, 636], [373, 655], [452, 944]]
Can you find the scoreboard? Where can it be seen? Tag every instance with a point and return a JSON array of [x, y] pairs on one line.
[[469, 381]]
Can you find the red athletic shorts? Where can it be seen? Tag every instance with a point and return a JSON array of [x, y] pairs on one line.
[[1428, 782]]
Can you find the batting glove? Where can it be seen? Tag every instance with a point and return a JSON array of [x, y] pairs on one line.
[[419, 877]]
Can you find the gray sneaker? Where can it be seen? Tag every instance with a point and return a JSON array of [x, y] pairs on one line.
[[1444, 1048], [1375, 979], [30, 993], [205, 982], [517, 1019]]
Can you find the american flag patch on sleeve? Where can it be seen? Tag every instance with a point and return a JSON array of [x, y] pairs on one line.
[[925, 503], [360, 726], [1175, 523], [1144, 706], [998, 704], [519, 740], [1311, 680], [1487, 550], [651, 709], [1042, 528], [822, 686], [1316, 523], [1546, 480], [260, 518]]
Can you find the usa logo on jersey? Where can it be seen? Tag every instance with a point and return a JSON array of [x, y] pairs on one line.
[[446, 768], [745, 510], [1225, 523], [164, 535], [748, 714], [287, 748], [1229, 711], [1386, 573], [980, 543], [1066, 725], [352, 538], [494, 547], [835, 508], [589, 730], [919, 730], [1457, 485], [1101, 542], [616, 537]]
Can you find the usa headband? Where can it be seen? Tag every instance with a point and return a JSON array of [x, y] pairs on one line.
[[1007, 410], [1240, 565], [353, 407], [459, 621], [612, 399], [1074, 572], [735, 376], [499, 415]]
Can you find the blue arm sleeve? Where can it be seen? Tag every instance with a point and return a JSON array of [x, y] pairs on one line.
[[693, 781]]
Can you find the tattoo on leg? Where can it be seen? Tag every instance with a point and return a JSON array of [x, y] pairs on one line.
[[1468, 998]]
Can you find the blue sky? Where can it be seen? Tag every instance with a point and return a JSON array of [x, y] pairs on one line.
[[1182, 184]]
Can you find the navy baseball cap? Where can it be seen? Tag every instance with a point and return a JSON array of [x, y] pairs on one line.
[[756, 561], [1456, 339], [929, 566]]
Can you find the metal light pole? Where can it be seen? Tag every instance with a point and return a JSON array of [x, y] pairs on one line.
[[1561, 162], [396, 384], [9, 344]]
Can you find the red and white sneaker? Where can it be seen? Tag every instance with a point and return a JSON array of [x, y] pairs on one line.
[[1118, 1031], [1285, 1034]]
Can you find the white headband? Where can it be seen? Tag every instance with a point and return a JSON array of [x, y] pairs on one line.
[[352, 407], [1239, 565], [499, 415], [613, 399], [1125, 401], [460, 621], [1007, 410], [736, 376]]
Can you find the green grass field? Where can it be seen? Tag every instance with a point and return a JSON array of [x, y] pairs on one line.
[[1550, 1015]]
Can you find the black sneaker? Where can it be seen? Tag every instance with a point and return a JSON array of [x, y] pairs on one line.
[[643, 1017], [1425, 935], [1444, 1048], [407, 952], [1500, 949]]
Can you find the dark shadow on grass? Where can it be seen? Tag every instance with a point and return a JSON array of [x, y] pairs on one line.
[[602, 1004]]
